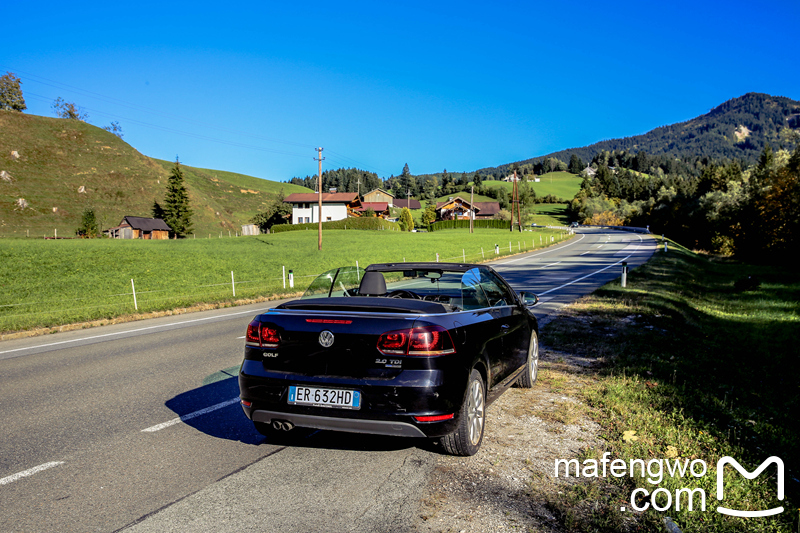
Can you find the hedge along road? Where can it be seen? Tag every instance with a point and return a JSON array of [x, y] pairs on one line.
[[135, 426]]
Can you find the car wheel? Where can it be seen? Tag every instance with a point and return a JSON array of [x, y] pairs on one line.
[[466, 439], [528, 377]]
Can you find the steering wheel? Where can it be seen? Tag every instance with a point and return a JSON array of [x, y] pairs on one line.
[[400, 293]]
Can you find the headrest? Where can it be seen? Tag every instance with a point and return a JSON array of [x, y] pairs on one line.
[[372, 284]]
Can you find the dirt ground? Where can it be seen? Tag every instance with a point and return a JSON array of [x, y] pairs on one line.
[[506, 486]]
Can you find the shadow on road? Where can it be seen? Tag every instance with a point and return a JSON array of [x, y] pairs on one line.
[[230, 423]]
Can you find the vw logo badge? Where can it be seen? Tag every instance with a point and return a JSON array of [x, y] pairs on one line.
[[326, 339]]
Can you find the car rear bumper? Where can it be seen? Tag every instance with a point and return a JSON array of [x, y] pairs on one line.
[[351, 425], [389, 406]]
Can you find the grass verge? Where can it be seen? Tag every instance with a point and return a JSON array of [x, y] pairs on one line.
[[696, 365]]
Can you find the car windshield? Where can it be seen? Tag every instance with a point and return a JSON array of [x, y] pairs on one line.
[[343, 281], [476, 288]]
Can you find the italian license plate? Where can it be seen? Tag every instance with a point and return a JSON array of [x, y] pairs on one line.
[[343, 399]]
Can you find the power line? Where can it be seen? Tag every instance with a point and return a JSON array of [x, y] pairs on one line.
[[341, 159], [109, 99], [179, 132]]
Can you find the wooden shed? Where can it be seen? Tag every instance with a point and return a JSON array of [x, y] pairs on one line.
[[379, 195], [140, 228]]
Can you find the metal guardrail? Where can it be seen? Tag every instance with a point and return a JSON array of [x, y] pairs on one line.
[[620, 228]]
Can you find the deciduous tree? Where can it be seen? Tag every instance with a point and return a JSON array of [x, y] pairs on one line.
[[115, 128], [10, 93], [64, 109], [276, 212], [406, 220]]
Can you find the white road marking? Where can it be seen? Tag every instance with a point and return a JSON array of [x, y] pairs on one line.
[[551, 264], [126, 332], [588, 275], [184, 418], [537, 254], [29, 472]]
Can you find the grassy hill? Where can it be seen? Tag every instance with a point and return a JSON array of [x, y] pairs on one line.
[[65, 166], [561, 184]]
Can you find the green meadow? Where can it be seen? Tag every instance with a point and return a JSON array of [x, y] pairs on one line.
[[561, 184], [54, 282], [693, 362]]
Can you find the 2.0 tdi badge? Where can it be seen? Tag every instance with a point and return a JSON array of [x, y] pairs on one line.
[[326, 339]]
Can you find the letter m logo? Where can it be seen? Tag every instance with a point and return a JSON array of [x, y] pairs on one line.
[[720, 490]]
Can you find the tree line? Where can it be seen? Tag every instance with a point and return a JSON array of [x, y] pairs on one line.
[[728, 207]]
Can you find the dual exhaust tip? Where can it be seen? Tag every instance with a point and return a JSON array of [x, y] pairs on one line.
[[282, 425]]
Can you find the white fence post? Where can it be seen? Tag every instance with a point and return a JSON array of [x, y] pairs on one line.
[[233, 284], [464, 254], [133, 288], [291, 279], [284, 276]]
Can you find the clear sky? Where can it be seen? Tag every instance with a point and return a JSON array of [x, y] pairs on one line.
[[254, 87]]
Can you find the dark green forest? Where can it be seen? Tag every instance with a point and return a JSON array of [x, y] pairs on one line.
[[752, 211]]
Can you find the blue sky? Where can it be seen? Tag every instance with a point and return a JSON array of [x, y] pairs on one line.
[[255, 87]]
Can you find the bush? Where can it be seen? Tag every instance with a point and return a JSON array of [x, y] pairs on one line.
[[456, 224], [373, 223]]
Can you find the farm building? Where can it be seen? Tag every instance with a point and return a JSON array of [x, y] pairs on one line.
[[459, 209], [381, 209], [410, 203], [140, 228], [335, 206], [379, 195], [250, 229]]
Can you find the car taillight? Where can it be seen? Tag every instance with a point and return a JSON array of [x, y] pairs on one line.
[[260, 335], [434, 418], [426, 341]]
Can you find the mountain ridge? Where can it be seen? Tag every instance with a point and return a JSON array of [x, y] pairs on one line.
[[758, 117]]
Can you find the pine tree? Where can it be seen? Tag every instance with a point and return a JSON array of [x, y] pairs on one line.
[[88, 228], [177, 213], [575, 165], [10, 93]]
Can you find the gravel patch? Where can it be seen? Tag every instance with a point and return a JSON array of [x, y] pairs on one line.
[[506, 486]]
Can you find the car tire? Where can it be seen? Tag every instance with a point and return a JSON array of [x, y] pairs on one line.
[[528, 377], [467, 438]]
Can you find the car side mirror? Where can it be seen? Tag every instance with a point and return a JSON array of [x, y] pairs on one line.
[[528, 299]]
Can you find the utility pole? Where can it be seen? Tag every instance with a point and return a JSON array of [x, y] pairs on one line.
[[319, 188], [472, 209], [515, 202]]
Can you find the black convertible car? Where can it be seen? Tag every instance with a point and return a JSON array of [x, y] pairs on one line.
[[405, 349]]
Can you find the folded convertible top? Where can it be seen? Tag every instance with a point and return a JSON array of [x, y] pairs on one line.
[[364, 303]]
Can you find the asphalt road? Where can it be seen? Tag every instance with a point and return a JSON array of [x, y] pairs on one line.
[[137, 426]]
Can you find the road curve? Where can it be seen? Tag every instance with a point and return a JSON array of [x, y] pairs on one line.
[[136, 426]]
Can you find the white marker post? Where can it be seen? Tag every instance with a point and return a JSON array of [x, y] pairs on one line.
[[233, 284], [133, 288]]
